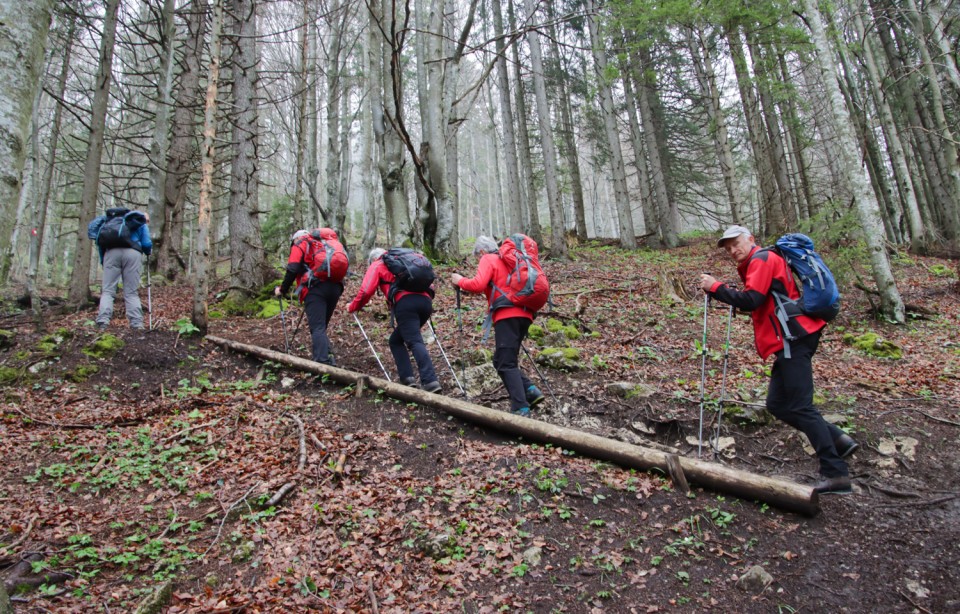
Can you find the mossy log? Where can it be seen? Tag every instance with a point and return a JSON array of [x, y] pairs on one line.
[[782, 494]]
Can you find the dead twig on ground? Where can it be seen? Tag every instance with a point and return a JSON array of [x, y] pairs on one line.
[[226, 516], [9, 548], [926, 503], [913, 603]]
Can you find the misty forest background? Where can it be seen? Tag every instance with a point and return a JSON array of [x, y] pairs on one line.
[[426, 122]]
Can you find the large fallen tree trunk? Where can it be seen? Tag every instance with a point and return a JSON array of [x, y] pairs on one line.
[[785, 495]]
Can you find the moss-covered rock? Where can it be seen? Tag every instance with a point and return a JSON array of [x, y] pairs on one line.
[[48, 344], [535, 331], [8, 375], [104, 346], [874, 345], [82, 373], [556, 326], [560, 358]]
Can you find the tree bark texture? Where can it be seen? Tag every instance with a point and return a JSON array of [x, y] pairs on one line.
[[79, 293], [207, 160], [248, 270], [182, 157], [786, 495], [628, 236], [867, 208]]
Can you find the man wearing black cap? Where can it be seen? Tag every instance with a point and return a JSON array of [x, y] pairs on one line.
[[790, 393]]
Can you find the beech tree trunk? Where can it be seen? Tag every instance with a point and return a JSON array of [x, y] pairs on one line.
[[868, 211], [514, 196], [207, 159], [79, 294], [248, 269], [895, 149], [160, 146], [168, 227], [531, 210]]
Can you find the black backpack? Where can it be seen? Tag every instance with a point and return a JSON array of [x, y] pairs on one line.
[[119, 228], [412, 270]]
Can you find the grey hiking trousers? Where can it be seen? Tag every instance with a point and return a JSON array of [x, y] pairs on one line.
[[121, 264]]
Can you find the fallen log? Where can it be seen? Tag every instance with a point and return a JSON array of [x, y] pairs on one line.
[[782, 494]]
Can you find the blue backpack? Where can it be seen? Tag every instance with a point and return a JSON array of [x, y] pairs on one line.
[[820, 297]]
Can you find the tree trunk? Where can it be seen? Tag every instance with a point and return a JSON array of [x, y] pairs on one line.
[[531, 210], [79, 294], [787, 214], [707, 80], [514, 196], [248, 270], [180, 160], [335, 91], [890, 302], [908, 195], [651, 222], [371, 57], [628, 236], [304, 85], [207, 160], [391, 159], [160, 146], [794, 129], [666, 217], [787, 495], [23, 37]]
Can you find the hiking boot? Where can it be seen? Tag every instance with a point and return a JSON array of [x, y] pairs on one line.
[[409, 381], [523, 411], [433, 387], [845, 445], [534, 396], [101, 327], [839, 485]]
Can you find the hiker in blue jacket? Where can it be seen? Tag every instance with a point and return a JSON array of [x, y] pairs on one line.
[[121, 239]]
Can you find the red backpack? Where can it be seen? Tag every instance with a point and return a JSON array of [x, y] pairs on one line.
[[527, 286], [326, 259]]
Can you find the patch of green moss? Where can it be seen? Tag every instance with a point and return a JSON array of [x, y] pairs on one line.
[[873, 345], [236, 307], [8, 375], [535, 331], [567, 353], [942, 271], [215, 314], [63, 333], [104, 346], [82, 373], [556, 326], [270, 308], [21, 355], [48, 344]]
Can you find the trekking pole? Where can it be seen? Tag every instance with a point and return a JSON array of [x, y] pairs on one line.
[[375, 355], [703, 372], [546, 384], [149, 298], [296, 330], [723, 385], [463, 364], [283, 323], [439, 345]]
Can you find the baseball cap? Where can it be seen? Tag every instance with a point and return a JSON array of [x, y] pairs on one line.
[[732, 233]]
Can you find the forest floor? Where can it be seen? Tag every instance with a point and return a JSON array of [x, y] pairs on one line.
[[130, 470]]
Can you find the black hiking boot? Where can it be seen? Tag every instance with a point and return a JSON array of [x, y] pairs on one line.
[[839, 485], [845, 445]]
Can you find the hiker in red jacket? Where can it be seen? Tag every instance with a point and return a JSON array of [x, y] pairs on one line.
[[510, 325], [411, 311], [790, 392], [319, 291]]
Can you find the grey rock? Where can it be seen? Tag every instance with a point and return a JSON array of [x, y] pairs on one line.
[[755, 580]]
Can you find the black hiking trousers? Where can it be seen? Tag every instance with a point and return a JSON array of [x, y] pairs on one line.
[[320, 302], [790, 398], [510, 333], [411, 312]]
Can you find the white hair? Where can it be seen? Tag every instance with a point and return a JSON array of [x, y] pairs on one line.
[[298, 235], [375, 253], [484, 245]]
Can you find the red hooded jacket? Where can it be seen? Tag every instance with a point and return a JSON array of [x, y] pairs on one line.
[[378, 277], [491, 269], [763, 272]]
